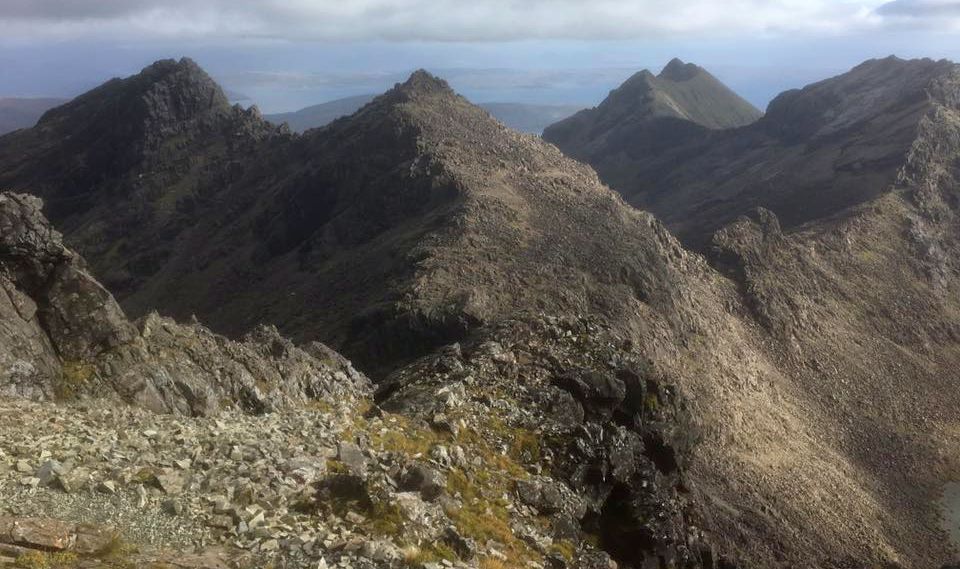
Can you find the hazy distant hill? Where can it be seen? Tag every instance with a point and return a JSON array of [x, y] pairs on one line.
[[518, 116], [529, 118], [24, 112], [322, 114]]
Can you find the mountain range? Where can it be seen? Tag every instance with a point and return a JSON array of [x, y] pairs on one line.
[[816, 152], [760, 391]]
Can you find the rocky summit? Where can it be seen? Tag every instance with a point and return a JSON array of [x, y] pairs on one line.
[[556, 380]]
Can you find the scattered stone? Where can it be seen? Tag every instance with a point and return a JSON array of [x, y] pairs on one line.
[[50, 472], [170, 482], [45, 534]]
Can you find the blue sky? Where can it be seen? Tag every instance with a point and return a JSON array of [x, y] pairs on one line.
[[285, 54]]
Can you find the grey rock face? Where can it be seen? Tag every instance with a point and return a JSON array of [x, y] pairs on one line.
[[47, 280], [53, 311]]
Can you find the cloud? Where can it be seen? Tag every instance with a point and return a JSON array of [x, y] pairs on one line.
[[429, 20], [926, 14], [921, 8]]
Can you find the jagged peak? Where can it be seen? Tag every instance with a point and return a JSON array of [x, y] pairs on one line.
[[639, 83], [644, 77], [174, 89], [184, 73], [422, 82], [677, 70], [171, 64]]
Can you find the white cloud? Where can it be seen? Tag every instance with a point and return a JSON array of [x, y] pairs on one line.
[[928, 14], [433, 20]]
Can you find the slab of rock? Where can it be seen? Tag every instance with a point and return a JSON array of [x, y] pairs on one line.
[[38, 533], [542, 494]]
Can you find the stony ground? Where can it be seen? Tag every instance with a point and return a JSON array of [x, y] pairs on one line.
[[331, 484], [165, 481]]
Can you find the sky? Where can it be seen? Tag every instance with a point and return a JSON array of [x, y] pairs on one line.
[[286, 54]]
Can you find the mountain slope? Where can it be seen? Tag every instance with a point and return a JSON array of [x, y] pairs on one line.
[[402, 223], [518, 116], [376, 217], [647, 111], [16, 113]]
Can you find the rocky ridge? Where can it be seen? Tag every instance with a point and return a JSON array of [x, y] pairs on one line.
[[401, 224], [477, 478], [301, 468]]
